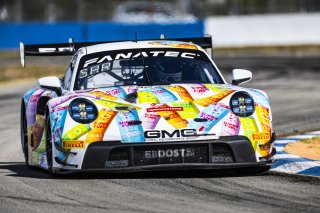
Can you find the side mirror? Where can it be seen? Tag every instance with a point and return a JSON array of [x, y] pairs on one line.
[[51, 83], [241, 76]]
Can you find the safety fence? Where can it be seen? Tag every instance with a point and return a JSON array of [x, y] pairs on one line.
[[34, 33]]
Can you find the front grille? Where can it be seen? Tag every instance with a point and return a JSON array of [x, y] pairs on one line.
[[120, 155], [221, 153], [169, 154]]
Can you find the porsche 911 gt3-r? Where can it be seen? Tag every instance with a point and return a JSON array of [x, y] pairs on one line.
[[143, 105]]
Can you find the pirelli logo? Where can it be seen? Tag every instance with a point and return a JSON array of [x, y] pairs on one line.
[[261, 136], [72, 144]]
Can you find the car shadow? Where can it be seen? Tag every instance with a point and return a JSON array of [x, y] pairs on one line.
[[19, 169]]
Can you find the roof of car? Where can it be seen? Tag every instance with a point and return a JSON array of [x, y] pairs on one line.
[[141, 45]]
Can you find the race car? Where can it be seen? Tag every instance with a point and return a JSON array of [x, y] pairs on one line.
[[143, 105]]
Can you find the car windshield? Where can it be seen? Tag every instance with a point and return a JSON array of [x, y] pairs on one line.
[[145, 67]]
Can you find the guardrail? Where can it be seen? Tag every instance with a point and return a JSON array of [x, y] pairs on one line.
[[34, 33]]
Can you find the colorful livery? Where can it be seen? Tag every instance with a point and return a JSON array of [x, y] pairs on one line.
[[143, 105]]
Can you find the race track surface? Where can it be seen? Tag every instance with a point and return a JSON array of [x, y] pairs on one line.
[[293, 86]]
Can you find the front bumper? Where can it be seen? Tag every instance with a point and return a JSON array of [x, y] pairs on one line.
[[223, 153]]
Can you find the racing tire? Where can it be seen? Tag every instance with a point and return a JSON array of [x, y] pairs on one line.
[[24, 134], [49, 147]]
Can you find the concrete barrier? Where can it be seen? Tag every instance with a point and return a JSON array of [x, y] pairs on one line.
[[264, 30]]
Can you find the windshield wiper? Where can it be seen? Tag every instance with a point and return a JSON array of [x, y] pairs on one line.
[[145, 70]]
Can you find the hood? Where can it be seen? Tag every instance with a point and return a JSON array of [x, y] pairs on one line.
[[161, 113]]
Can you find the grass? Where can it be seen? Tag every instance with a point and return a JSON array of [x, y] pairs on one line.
[[310, 141], [269, 50], [11, 70], [9, 54], [15, 72], [307, 148]]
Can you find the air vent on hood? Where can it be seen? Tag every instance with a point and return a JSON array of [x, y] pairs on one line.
[[131, 97], [200, 120]]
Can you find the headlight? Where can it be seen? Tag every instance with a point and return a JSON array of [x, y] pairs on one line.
[[242, 104], [83, 111]]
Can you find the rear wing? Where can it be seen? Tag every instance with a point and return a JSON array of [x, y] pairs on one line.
[[65, 49]]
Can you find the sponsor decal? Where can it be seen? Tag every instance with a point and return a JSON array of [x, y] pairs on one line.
[[163, 135], [182, 92], [161, 109], [150, 120], [100, 125], [230, 125], [261, 136], [173, 118], [76, 132], [198, 88], [147, 97], [130, 126], [42, 160], [32, 107], [84, 73], [250, 128], [129, 55], [54, 49], [117, 163], [59, 108], [129, 123], [72, 144], [222, 159], [264, 119], [174, 44], [210, 116], [189, 109], [169, 153], [205, 102]]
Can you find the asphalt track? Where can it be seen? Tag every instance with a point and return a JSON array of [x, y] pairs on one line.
[[293, 86]]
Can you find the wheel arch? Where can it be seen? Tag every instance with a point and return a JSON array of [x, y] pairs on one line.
[[42, 105]]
